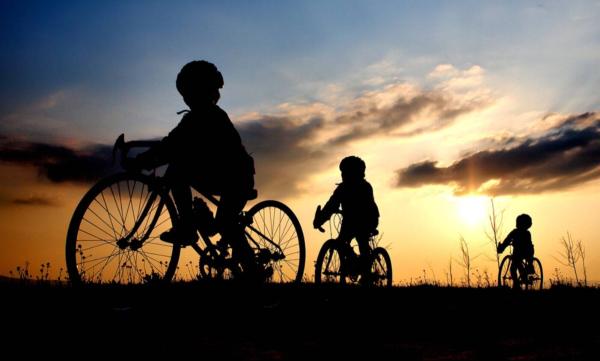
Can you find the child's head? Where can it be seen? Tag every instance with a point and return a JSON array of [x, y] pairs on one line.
[[524, 221], [352, 168], [199, 82]]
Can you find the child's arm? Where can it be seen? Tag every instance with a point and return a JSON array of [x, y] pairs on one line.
[[507, 241], [163, 151], [332, 206]]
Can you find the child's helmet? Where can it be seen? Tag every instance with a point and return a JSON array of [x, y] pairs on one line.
[[198, 75], [524, 221], [353, 165]]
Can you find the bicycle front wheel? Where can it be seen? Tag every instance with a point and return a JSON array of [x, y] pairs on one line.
[[276, 232], [114, 233], [328, 268], [504, 276], [381, 268]]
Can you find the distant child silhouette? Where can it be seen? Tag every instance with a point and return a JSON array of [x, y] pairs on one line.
[[204, 151], [520, 239], [360, 215]]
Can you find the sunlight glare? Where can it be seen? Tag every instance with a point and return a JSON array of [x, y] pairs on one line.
[[471, 209]]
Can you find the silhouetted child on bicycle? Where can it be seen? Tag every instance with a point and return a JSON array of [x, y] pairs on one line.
[[204, 151], [520, 239], [360, 215]]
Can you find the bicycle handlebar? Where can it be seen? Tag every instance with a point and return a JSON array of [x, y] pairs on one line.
[[123, 147], [317, 214]]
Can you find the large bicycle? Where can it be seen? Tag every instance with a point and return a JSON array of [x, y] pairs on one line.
[[338, 262], [528, 276], [114, 234]]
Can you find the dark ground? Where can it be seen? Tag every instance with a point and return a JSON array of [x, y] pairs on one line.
[[204, 321]]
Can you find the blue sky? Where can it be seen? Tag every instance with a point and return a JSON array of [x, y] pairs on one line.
[[120, 57]]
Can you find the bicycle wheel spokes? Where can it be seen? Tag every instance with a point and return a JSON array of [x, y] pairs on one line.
[[335, 224], [328, 268], [276, 229], [381, 268], [504, 276], [536, 279], [112, 239]]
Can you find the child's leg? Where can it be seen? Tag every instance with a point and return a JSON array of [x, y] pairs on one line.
[[365, 253], [227, 220], [182, 194], [345, 237], [515, 271]]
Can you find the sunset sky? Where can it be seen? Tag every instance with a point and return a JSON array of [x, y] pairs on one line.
[[449, 103]]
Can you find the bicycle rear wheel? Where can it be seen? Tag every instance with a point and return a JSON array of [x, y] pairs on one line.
[[328, 267], [98, 249], [535, 280], [381, 269], [278, 241]]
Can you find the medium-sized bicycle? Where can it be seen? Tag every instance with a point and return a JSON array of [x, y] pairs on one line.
[[338, 262], [114, 233], [530, 276]]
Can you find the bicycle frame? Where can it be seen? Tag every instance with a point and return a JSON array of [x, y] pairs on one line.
[[123, 148], [350, 265], [524, 277]]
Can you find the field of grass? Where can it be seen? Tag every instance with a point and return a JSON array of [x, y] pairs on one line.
[[212, 321]]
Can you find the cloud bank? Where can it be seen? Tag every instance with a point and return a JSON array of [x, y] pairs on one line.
[[564, 156], [301, 140], [298, 140], [59, 163]]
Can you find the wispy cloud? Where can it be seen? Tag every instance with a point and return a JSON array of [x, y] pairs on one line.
[[34, 200], [301, 140], [564, 156]]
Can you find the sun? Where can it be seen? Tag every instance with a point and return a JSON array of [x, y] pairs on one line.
[[472, 210]]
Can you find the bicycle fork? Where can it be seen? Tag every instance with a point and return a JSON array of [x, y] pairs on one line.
[[134, 243]]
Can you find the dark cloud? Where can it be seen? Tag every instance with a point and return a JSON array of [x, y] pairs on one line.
[[34, 201], [59, 163], [283, 152], [565, 156]]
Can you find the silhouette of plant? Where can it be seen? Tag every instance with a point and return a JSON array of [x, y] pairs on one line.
[[23, 272], [581, 251], [44, 272], [557, 280], [152, 278], [573, 252], [495, 232], [466, 260], [449, 274]]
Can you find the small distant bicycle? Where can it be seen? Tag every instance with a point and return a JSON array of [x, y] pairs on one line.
[[337, 261], [530, 276], [114, 234]]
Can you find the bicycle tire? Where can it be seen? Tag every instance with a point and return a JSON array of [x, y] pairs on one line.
[[381, 267], [105, 214], [277, 222], [536, 279], [328, 267], [504, 276]]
